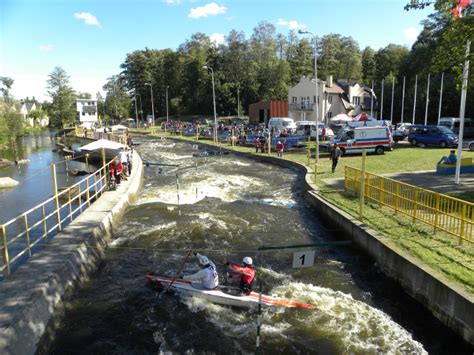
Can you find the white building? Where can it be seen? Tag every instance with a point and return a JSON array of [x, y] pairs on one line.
[[302, 99], [87, 111], [349, 98], [25, 109], [361, 98]]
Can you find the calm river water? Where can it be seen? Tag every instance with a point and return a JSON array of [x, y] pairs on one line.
[[230, 206]]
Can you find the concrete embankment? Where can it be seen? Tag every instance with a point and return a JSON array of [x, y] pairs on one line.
[[446, 300], [34, 293]]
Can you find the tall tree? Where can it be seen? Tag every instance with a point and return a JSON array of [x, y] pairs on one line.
[[11, 121], [117, 101], [368, 64], [62, 110]]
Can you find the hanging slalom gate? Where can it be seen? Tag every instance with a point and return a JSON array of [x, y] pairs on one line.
[[442, 212]]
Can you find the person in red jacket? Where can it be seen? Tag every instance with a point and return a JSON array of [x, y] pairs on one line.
[[245, 273], [257, 145], [280, 147], [116, 169]]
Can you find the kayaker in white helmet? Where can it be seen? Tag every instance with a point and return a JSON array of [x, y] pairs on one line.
[[207, 277], [245, 273]]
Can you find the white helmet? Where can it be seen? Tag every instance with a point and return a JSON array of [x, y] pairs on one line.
[[203, 260], [247, 260]]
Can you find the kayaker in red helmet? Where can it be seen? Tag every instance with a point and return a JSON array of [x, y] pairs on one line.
[[245, 273]]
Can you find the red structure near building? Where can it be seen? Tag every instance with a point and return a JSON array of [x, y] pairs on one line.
[[261, 112]]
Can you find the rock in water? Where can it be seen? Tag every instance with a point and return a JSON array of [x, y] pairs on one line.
[[7, 182]]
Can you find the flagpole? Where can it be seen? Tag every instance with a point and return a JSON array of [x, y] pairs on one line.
[[440, 97], [414, 101], [381, 106], [462, 111], [372, 100], [427, 100], [391, 106], [403, 99]]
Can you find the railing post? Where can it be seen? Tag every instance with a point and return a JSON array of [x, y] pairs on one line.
[[397, 196], [362, 186], [381, 189], [436, 221], [55, 195], [88, 194], [415, 202], [27, 229], [69, 203], [45, 225], [463, 223], [5, 255]]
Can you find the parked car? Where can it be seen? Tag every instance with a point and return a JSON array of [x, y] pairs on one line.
[[400, 131], [432, 135], [471, 145], [453, 123], [306, 128], [282, 123]]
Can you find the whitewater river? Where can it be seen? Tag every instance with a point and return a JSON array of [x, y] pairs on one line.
[[230, 206]]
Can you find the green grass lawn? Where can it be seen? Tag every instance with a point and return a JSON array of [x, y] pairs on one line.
[[440, 251]]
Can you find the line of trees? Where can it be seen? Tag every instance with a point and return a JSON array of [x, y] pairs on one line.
[[264, 65]]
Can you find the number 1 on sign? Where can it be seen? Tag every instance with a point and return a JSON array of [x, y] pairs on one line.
[[303, 259]]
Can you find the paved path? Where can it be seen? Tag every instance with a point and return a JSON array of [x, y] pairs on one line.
[[425, 179]]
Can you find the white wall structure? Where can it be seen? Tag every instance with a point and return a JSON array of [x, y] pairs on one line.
[[87, 110], [301, 100]]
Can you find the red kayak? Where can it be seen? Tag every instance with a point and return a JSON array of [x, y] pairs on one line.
[[225, 295]]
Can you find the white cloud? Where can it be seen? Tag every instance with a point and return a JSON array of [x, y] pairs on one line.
[[173, 2], [217, 38], [411, 33], [292, 25], [88, 18], [46, 47], [211, 9]]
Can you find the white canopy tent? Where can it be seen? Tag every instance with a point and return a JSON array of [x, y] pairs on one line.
[[102, 143], [119, 127], [340, 118]]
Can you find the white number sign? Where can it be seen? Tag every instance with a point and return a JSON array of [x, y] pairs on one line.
[[303, 259]]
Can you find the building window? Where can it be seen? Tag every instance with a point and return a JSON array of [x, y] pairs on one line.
[[294, 99], [83, 113], [329, 114], [356, 100], [330, 99]]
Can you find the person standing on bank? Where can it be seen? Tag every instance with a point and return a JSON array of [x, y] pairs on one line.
[[207, 277], [334, 156], [279, 148], [245, 273]]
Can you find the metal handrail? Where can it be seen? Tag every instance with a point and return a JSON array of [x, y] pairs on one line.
[[449, 214], [82, 199]]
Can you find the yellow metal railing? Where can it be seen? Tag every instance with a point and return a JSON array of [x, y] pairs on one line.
[[22, 235], [442, 212]]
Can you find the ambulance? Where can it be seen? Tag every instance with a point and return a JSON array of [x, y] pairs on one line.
[[376, 139]]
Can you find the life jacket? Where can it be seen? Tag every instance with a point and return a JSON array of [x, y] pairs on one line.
[[212, 278], [246, 275]]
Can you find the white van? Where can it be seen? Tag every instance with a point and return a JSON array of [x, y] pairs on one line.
[[306, 128], [282, 123], [355, 140], [453, 124]]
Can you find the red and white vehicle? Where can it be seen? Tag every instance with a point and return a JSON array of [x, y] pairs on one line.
[[376, 139]]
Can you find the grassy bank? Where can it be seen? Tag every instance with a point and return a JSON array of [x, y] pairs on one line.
[[440, 251]]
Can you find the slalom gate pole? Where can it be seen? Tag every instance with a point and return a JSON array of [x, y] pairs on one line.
[[259, 320]]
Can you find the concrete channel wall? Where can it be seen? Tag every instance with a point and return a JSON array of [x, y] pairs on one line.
[[33, 295], [446, 300]]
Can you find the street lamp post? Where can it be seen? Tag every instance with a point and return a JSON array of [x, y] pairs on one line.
[[213, 101], [167, 115], [152, 106], [317, 95]]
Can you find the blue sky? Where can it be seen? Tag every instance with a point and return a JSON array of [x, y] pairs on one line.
[[90, 38]]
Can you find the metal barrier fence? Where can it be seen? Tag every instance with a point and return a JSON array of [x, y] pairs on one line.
[[23, 235], [442, 212]]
